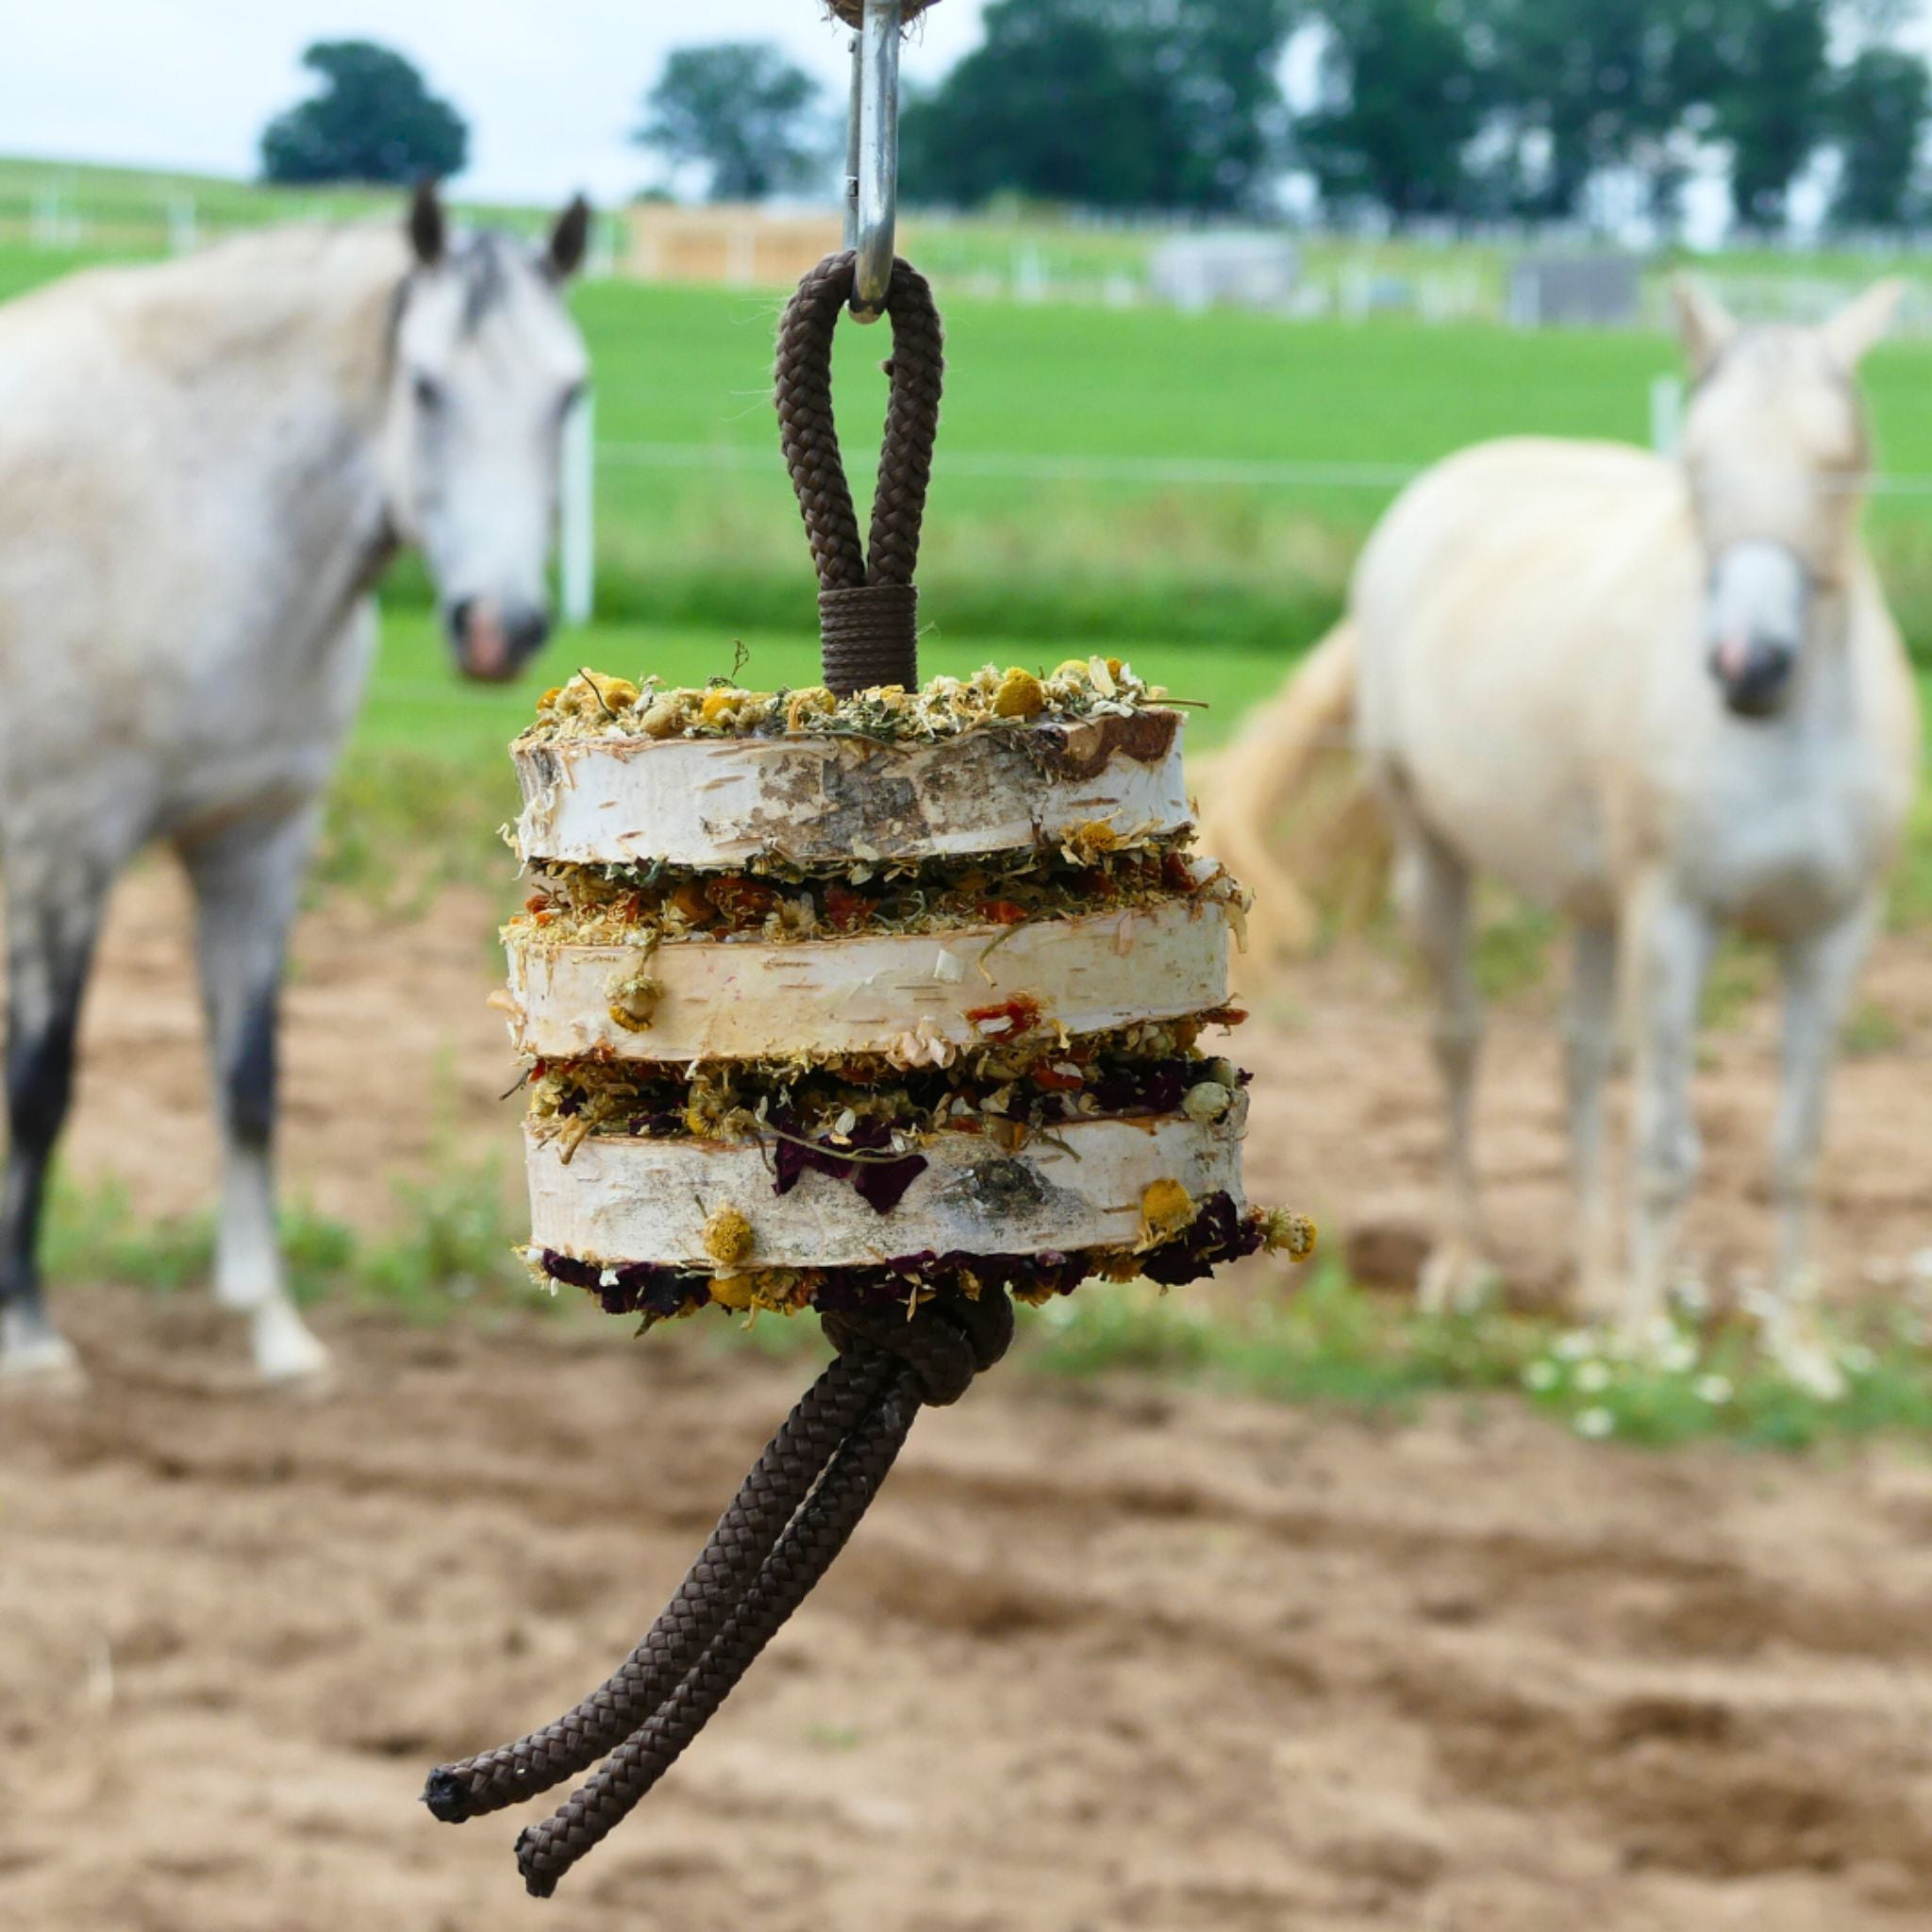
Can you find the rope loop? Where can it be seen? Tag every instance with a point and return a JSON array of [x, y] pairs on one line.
[[867, 640]]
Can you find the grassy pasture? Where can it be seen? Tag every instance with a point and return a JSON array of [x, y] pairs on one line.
[[1046, 521]]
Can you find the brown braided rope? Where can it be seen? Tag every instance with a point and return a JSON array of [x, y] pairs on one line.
[[853, 11], [796, 1512], [744, 1537], [868, 609], [824, 1526]]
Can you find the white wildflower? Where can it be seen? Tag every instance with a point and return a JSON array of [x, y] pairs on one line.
[[1857, 1358], [1541, 1375], [1679, 1356], [1593, 1424], [1692, 1295], [1715, 1390], [1593, 1378], [1573, 1346]]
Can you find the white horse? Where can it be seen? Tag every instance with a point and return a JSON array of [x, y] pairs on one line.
[[204, 468], [1663, 697]]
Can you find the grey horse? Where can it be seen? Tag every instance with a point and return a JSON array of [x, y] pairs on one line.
[[205, 467]]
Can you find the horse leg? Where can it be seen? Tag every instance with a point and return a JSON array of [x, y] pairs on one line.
[[246, 881], [53, 917], [1589, 1047], [1435, 890], [1819, 971], [1671, 942]]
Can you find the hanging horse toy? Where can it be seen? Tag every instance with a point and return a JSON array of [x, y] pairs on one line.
[[875, 999]]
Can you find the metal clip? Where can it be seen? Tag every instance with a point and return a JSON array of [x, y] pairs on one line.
[[872, 157]]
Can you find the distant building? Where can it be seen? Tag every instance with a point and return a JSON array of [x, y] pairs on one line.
[[1575, 291], [1197, 271], [741, 246]]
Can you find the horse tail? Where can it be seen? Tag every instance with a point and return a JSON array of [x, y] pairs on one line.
[[1248, 786]]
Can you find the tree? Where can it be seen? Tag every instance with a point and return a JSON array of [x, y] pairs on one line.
[[375, 120], [1406, 100], [1129, 104], [1879, 106], [742, 109], [1587, 84], [1772, 104]]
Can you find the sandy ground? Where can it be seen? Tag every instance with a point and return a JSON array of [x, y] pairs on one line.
[[1109, 1657]]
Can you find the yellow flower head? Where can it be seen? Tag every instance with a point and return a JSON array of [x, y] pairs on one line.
[[1019, 696], [615, 693], [1283, 1233], [728, 1239]]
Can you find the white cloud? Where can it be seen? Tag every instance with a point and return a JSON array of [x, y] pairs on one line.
[[551, 92]]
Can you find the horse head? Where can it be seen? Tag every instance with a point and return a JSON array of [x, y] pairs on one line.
[[1778, 456], [486, 365]]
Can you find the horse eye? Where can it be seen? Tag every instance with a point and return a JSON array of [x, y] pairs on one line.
[[429, 392]]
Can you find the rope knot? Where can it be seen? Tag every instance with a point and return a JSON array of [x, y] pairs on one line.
[[945, 1342]]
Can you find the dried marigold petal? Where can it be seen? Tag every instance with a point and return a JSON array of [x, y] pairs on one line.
[[1166, 1210]]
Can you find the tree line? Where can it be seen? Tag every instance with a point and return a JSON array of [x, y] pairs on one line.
[[1467, 109], [1514, 107], [1463, 110]]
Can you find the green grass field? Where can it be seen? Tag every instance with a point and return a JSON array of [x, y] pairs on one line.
[[697, 531]]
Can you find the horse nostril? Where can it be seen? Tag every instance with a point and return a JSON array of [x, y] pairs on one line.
[[459, 617], [527, 634], [1755, 680]]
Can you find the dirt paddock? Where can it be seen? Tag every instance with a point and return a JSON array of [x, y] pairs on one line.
[[1105, 1656]]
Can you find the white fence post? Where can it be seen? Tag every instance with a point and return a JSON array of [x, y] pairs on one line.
[[1666, 414], [578, 504], [184, 226]]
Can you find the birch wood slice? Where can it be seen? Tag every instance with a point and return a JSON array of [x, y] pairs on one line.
[[712, 803], [621, 1200], [910, 997]]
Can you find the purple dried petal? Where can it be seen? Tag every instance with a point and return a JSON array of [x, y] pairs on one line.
[[570, 1271], [883, 1184], [1218, 1233]]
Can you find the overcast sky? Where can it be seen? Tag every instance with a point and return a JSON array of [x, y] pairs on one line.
[[550, 91]]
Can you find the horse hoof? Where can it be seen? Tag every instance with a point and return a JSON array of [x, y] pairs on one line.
[[43, 1365], [286, 1353]]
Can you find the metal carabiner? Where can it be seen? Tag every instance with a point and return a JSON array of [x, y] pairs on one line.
[[872, 157]]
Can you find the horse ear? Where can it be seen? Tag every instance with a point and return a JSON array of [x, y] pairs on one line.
[[568, 240], [1861, 325], [1706, 327], [428, 230]]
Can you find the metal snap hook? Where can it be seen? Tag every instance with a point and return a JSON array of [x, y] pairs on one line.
[[872, 157]]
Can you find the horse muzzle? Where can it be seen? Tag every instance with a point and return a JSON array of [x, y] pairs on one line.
[[494, 642], [1755, 675]]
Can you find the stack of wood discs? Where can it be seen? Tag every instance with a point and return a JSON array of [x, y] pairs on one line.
[[831, 1002]]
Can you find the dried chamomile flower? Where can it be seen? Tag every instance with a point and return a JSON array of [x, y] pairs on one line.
[[728, 1237]]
